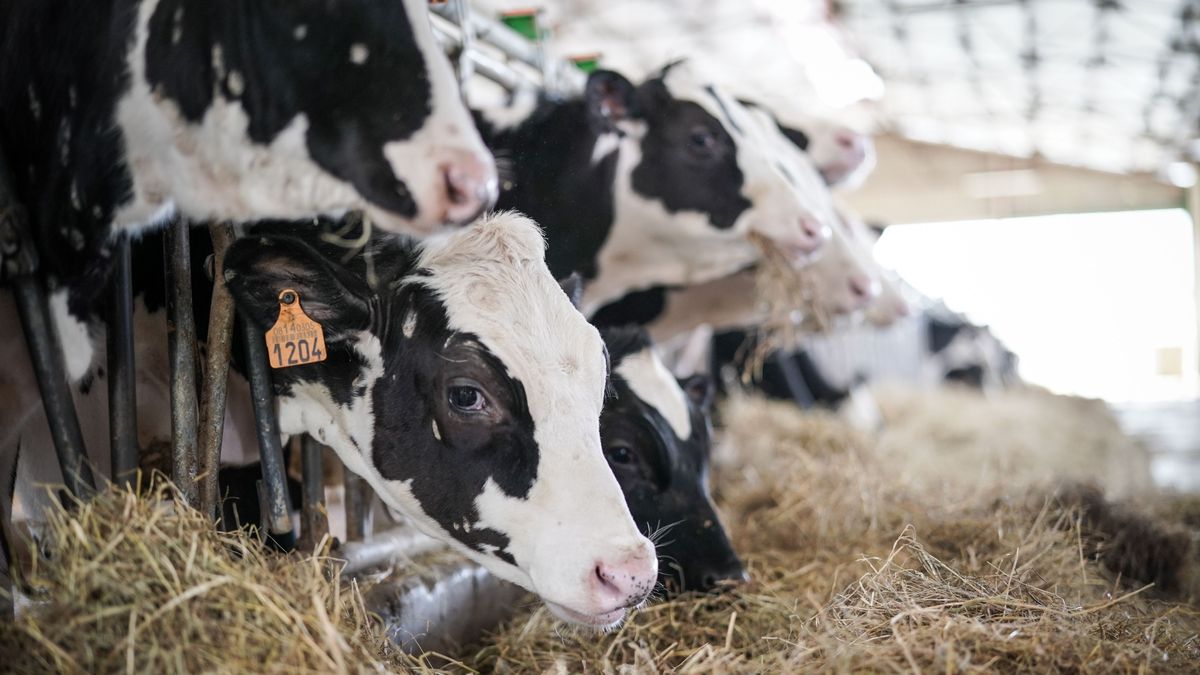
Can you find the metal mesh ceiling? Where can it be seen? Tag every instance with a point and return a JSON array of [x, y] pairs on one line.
[[1111, 84]]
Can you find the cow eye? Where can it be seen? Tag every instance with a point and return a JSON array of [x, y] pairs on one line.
[[619, 454], [702, 140], [467, 399]]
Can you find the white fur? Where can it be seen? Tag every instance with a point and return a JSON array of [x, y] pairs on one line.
[[502, 118], [650, 381], [77, 344]]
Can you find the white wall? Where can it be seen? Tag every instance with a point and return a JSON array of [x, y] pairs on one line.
[[1088, 301]]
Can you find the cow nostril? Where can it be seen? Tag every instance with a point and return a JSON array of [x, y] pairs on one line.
[[454, 190], [846, 140]]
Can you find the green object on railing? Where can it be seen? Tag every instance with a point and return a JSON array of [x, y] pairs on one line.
[[522, 21], [587, 63]]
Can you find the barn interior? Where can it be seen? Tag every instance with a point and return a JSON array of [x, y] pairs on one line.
[[972, 445]]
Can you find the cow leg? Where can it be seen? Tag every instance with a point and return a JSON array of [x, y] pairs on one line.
[[122, 371], [216, 374], [274, 496]]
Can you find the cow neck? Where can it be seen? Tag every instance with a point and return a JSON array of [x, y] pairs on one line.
[[559, 182]]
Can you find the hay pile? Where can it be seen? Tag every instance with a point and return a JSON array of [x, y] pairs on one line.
[[136, 584], [856, 570]]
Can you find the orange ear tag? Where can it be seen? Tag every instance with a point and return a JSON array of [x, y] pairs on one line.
[[295, 339]]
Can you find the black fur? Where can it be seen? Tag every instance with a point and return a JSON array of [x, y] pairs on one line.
[[664, 477]]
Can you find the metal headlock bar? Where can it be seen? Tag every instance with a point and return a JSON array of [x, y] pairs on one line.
[[181, 348], [122, 367], [20, 267], [216, 373], [273, 491]]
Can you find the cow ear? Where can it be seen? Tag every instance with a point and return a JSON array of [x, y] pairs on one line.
[[573, 287], [258, 269], [699, 390], [610, 100]]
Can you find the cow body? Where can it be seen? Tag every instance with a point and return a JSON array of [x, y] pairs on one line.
[[658, 184], [121, 113]]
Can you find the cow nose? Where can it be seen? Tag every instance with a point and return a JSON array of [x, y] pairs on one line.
[[472, 187], [863, 288], [626, 582], [845, 138]]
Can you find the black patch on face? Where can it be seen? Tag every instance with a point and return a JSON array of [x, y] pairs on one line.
[[689, 160], [448, 467], [664, 479], [942, 333], [284, 59]]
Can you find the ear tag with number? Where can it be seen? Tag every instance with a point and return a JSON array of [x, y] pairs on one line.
[[295, 339]]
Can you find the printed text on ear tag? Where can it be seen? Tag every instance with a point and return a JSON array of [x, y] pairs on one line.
[[295, 339]]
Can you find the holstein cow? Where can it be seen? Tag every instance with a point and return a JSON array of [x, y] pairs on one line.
[[119, 113], [656, 433], [656, 184], [462, 383]]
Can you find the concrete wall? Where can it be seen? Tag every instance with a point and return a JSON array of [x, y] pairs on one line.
[[920, 182]]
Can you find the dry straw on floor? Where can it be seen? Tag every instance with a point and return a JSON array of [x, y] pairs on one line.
[[132, 584], [856, 564], [854, 570]]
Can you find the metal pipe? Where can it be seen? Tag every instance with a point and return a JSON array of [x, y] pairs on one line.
[[181, 350], [315, 523], [45, 350], [357, 505], [216, 374], [384, 547], [510, 42], [122, 368], [278, 511], [466, 66]]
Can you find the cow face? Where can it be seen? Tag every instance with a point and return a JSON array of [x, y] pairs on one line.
[[656, 436], [467, 389], [846, 279], [694, 177], [289, 109], [844, 157]]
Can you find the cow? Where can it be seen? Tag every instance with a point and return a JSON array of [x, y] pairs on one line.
[[661, 183], [460, 381], [657, 438], [119, 114]]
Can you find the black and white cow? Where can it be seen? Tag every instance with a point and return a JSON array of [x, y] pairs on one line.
[[655, 184], [656, 432], [462, 383], [119, 113]]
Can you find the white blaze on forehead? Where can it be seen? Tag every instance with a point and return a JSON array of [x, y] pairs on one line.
[[650, 381], [494, 282]]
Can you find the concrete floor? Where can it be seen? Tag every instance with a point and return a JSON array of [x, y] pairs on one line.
[[1171, 431]]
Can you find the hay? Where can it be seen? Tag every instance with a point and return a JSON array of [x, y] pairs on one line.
[[854, 570], [788, 306], [136, 584]]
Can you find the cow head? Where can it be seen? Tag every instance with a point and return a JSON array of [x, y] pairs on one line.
[[656, 436], [846, 279], [463, 384], [293, 108], [844, 157], [694, 177]]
